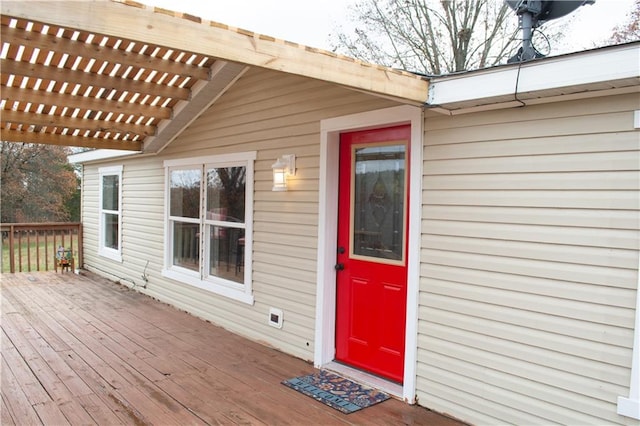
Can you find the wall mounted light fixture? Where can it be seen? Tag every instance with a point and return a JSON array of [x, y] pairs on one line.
[[283, 167]]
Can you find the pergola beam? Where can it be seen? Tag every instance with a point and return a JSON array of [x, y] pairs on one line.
[[86, 50], [83, 124], [27, 69], [68, 140], [60, 100]]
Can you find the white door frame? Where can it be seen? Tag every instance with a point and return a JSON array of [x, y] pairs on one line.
[[330, 130]]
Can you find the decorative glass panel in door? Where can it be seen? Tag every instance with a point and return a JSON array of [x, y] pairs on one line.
[[379, 201]]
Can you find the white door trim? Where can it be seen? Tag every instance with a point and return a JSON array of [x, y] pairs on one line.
[[330, 130]]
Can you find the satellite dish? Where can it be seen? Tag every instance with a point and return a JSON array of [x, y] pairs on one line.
[[546, 10], [533, 13]]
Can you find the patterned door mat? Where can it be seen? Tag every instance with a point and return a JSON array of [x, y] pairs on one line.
[[336, 392]]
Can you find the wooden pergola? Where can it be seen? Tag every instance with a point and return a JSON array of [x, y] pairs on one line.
[[121, 75]]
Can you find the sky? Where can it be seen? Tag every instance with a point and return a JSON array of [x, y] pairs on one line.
[[311, 22]]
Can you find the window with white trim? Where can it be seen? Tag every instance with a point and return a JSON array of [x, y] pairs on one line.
[[209, 220], [110, 217]]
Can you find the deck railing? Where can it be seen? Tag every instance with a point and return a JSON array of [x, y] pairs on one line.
[[28, 247]]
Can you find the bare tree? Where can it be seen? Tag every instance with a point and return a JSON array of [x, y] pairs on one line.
[[431, 36], [36, 181], [629, 31]]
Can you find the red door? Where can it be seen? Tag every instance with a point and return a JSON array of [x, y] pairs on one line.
[[372, 250]]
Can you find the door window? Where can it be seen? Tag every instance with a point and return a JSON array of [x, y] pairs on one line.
[[378, 203]]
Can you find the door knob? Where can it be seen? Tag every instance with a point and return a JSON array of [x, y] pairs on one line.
[[339, 266]]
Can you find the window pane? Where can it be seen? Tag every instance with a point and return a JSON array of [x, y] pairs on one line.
[[226, 194], [110, 192], [111, 231], [226, 253], [378, 204], [186, 243], [185, 193]]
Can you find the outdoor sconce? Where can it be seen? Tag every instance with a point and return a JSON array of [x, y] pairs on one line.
[[283, 167]]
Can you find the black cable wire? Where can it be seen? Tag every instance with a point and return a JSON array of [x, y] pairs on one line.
[[118, 278], [515, 94], [546, 39]]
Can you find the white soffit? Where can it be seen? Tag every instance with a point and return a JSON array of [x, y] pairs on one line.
[[100, 154], [605, 68]]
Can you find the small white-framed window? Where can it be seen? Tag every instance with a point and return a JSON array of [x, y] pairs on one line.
[[110, 216], [209, 219]]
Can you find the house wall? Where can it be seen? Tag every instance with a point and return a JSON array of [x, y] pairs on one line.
[[270, 113], [529, 262]]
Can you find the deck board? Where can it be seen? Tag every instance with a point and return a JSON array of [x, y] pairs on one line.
[[17, 403], [23, 375], [5, 415], [78, 349]]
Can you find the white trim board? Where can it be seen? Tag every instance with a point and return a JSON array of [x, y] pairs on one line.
[[630, 406], [330, 130]]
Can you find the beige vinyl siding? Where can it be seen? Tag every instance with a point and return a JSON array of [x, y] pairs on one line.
[[142, 218], [529, 263], [89, 213], [270, 113]]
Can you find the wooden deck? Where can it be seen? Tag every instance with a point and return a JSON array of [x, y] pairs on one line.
[[83, 350]]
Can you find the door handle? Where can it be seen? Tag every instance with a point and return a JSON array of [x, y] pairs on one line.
[[339, 266]]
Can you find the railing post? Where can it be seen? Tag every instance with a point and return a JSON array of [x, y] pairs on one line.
[[80, 247], [46, 250], [37, 232], [12, 260], [28, 250]]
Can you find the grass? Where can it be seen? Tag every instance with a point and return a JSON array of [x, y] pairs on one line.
[[36, 255]]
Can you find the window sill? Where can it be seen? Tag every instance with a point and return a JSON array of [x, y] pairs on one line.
[[220, 289], [111, 254]]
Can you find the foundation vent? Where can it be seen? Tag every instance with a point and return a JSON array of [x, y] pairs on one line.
[[275, 317]]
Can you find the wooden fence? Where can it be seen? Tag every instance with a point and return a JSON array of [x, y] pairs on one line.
[[28, 247]]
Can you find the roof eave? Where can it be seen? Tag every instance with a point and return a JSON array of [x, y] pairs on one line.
[[583, 74]]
